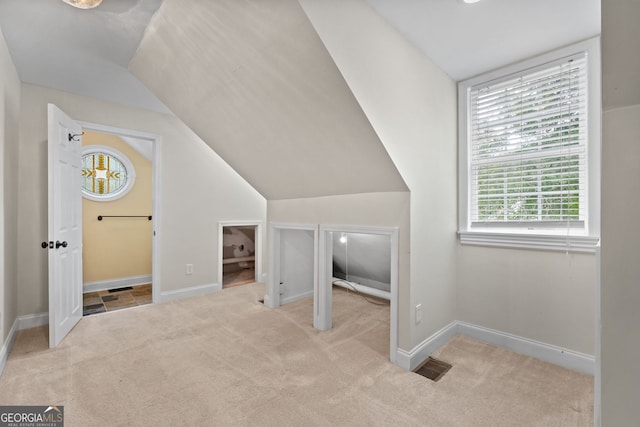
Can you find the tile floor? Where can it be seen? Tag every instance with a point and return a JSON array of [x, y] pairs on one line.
[[116, 299]]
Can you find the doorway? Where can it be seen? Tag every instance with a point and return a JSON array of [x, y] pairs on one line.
[[65, 234], [363, 260], [239, 252], [293, 263], [119, 244]]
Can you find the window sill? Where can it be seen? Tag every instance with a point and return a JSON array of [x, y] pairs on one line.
[[546, 242]]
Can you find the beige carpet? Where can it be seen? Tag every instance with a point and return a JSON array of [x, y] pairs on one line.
[[226, 360]]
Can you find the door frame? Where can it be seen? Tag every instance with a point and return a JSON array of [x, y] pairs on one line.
[[272, 297], [156, 174], [324, 296], [258, 246]]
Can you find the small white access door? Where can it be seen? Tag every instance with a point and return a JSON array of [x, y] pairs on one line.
[[65, 224]]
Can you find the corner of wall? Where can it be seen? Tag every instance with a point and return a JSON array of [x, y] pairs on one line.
[[10, 101]]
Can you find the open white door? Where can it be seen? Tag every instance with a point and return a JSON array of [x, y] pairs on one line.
[[65, 225]]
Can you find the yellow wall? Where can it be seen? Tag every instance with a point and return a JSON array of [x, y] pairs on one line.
[[116, 248]]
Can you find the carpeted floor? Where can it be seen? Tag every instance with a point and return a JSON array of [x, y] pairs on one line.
[[226, 360]]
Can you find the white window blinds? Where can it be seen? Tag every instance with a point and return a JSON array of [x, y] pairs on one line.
[[528, 148]]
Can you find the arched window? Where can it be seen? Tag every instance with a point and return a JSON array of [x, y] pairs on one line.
[[107, 174]]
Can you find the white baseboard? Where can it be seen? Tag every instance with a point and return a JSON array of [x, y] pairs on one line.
[[22, 322], [283, 301], [8, 344], [412, 359], [295, 298], [32, 321], [268, 302], [186, 292], [122, 282], [549, 353]]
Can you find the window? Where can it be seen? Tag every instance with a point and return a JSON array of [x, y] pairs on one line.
[[529, 153], [106, 173]]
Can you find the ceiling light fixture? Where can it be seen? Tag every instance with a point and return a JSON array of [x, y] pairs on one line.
[[470, 1], [83, 4]]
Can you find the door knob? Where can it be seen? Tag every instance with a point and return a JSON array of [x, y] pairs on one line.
[[63, 244], [46, 245]]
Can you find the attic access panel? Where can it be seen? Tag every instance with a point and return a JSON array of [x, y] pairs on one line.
[[238, 255]]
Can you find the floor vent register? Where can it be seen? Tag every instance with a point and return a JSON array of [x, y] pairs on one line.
[[433, 369]]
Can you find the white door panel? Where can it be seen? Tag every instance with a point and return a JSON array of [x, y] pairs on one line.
[[65, 224]]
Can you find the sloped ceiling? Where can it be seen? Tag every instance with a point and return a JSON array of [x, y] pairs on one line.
[[253, 80], [85, 52]]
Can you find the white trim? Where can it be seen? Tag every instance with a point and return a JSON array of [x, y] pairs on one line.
[[33, 321], [597, 386], [192, 291], [295, 298], [157, 218], [548, 242], [410, 360], [322, 310], [323, 297], [549, 353], [8, 344], [584, 243], [272, 297], [104, 285], [156, 171], [361, 288], [23, 322], [258, 245], [267, 301]]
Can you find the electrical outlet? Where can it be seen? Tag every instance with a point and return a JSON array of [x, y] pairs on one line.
[[189, 269], [418, 313]]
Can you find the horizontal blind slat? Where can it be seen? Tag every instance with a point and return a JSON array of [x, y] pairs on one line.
[[539, 94]]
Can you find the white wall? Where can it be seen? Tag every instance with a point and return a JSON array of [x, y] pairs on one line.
[[198, 189], [620, 283], [544, 296], [297, 258], [411, 104], [9, 130], [620, 252], [371, 209]]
